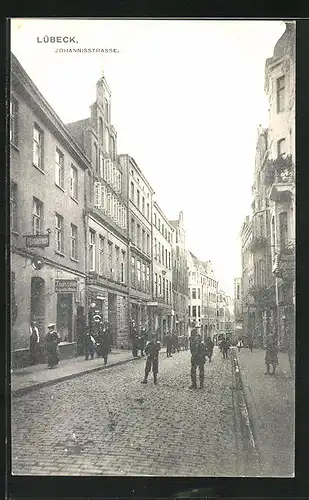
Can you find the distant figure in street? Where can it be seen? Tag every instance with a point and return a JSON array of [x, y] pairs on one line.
[[152, 350], [34, 343], [169, 344], [209, 348], [104, 342], [271, 356], [89, 346], [240, 344], [143, 338], [198, 359], [52, 341], [174, 342], [224, 347], [134, 339], [250, 344]]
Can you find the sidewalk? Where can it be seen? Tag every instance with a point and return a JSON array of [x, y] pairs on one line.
[[33, 377], [270, 401]]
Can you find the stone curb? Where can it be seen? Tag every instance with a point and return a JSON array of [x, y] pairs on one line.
[[39, 385], [245, 415]]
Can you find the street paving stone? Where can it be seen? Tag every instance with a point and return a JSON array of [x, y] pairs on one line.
[[108, 423]]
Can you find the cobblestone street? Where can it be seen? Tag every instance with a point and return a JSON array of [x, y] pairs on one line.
[[108, 423]]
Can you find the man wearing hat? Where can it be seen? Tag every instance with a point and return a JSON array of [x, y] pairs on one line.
[[152, 350], [198, 358], [52, 341]]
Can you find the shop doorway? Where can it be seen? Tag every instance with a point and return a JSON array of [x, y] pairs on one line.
[[64, 316], [37, 306], [112, 317]]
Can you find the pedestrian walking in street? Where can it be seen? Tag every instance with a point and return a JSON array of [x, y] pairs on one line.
[[224, 346], [169, 344], [271, 355], [52, 341], [240, 344], [175, 346], [209, 348], [152, 350], [89, 346], [34, 343], [250, 344], [198, 359], [104, 342], [134, 339]]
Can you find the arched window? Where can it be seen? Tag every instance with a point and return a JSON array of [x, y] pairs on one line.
[[107, 140], [101, 130]]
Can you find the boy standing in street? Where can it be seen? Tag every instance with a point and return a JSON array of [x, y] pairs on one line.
[[152, 350]]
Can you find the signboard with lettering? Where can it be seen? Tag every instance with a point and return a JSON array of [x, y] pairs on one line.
[[37, 240], [66, 286]]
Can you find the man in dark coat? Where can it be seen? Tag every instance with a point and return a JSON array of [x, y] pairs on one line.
[[34, 343], [224, 346], [198, 358], [169, 344], [134, 339], [271, 356], [52, 350], [152, 350], [209, 348]]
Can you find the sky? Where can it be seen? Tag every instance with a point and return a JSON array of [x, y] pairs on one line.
[[187, 99]]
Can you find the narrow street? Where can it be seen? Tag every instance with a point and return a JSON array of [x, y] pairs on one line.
[[108, 423]]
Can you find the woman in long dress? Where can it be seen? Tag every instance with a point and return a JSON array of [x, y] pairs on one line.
[[52, 341]]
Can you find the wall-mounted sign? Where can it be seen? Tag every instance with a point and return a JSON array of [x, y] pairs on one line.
[[37, 240], [65, 286]]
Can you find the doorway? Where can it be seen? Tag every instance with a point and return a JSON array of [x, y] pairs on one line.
[[37, 305], [64, 316]]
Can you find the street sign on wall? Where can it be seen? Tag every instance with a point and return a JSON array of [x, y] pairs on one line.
[[65, 286], [37, 240]]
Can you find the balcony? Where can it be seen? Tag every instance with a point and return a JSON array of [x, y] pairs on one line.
[[279, 174], [258, 242]]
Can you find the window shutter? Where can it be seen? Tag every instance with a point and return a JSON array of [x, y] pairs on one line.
[[97, 194], [103, 197]]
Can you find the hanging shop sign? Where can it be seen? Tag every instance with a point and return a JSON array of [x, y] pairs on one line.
[[37, 240], [65, 286]]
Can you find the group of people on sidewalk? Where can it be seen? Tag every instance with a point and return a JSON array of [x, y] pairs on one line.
[[52, 340], [99, 342]]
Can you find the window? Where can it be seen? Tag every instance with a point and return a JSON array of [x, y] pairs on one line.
[[155, 219], [160, 286], [117, 264], [162, 254], [123, 266], [166, 257], [199, 311], [148, 279], [144, 276], [74, 242], [280, 93], [198, 293], [194, 311], [143, 240], [74, 182], [59, 233], [169, 260], [170, 285], [59, 172], [13, 206], [155, 249], [143, 205], [281, 147], [238, 292], [101, 255], [138, 273], [148, 244], [14, 121], [113, 154], [38, 147], [107, 140], [106, 110], [138, 235], [159, 252], [163, 286], [162, 229], [91, 249], [132, 230], [132, 191], [138, 198], [95, 157], [193, 293], [156, 285], [37, 217], [189, 311], [110, 259], [133, 271], [101, 135], [148, 211], [159, 224], [283, 224]]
